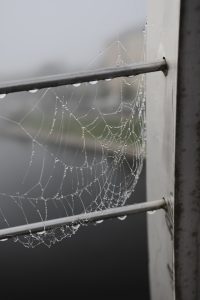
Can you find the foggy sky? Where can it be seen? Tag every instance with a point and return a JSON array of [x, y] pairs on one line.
[[35, 32]]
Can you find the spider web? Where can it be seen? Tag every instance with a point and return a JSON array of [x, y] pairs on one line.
[[81, 149]]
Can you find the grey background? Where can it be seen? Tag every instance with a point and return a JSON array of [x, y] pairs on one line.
[[103, 261]]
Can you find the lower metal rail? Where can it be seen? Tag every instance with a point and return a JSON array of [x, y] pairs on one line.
[[82, 218]]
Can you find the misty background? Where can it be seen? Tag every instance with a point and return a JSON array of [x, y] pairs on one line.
[[64, 33], [45, 38]]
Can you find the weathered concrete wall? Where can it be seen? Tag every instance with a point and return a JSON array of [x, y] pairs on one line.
[[162, 41]]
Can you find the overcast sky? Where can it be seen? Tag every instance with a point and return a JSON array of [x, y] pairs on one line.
[[35, 32]]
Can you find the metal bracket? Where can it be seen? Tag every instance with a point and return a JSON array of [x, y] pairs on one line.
[[169, 217]]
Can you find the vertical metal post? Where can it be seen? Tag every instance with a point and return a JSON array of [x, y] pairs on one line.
[[187, 200]]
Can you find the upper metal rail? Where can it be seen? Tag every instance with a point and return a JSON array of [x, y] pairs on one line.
[[75, 78], [82, 218]]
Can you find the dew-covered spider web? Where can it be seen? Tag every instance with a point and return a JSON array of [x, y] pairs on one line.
[[71, 150]]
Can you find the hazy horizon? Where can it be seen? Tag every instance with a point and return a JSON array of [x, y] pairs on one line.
[[67, 33]]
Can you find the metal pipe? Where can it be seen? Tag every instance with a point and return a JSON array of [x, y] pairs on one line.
[[68, 79], [81, 218]]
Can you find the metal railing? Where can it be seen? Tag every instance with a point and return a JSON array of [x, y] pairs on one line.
[[82, 218], [68, 79]]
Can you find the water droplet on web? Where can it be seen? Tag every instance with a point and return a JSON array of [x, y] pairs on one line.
[[151, 212], [76, 227], [41, 232], [93, 82], [33, 91], [122, 218], [99, 221], [2, 96], [3, 240], [76, 84]]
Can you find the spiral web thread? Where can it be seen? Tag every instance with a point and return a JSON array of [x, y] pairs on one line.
[[84, 150]]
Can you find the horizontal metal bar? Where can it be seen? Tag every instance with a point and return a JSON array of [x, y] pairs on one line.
[[68, 79], [82, 218]]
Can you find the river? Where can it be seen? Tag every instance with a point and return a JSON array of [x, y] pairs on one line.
[[109, 259]]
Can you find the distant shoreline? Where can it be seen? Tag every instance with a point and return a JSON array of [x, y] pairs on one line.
[[71, 141]]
